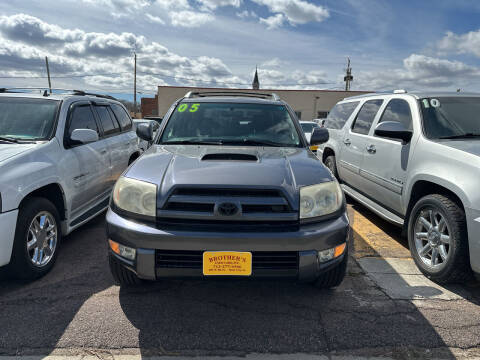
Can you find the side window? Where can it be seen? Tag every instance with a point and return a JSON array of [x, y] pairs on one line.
[[82, 118], [365, 116], [110, 126], [398, 110], [122, 117], [299, 114], [339, 115]]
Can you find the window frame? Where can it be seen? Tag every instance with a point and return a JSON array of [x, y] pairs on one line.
[[379, 121], [374, 120], [66, 141], [122, 129], [99, 121]]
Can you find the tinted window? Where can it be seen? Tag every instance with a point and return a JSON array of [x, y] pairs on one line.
[[82, 118], [398, 110], [23, 118], [365, 116], [110, 126], [122, 117], [308, 127], [451, 116], [231, 123], [340, 114]]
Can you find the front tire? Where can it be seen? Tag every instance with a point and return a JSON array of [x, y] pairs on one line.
[[331, 163], [121, 275], [37, 238], [333, 277], [438, 239]]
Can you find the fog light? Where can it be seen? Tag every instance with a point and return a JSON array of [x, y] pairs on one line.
[[122, 250], [329, 254]]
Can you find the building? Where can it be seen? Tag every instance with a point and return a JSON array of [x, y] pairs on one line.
[[149, 106], [307, 104]]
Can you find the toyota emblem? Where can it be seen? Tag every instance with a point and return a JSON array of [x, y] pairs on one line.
[[227, 209]]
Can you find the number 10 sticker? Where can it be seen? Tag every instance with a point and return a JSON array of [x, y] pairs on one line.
[[193, 107]]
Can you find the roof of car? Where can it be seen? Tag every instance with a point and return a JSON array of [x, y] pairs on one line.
[[417, 94], [234, 99], [308, 122], [54, 96]]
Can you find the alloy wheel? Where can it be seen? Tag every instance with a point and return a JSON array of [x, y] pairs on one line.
[[42, 239]]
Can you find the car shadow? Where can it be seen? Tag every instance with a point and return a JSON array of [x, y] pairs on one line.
[[469, 291], [223, 317], [35, 315]]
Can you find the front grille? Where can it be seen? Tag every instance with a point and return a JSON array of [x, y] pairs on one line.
[[261, 260], [201, 204]]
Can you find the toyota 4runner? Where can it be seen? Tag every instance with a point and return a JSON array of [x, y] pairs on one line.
[[229, 188]]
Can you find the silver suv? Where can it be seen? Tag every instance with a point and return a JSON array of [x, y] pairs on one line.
[[414, 159], [60, 156]]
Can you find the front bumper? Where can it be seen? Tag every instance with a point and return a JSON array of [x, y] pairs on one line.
[[304, 243], [8, 223]]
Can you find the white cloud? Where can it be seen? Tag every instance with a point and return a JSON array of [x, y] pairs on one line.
[[245, 14], [77, 52], [295, 11], [420, 72], [274, 21], [468, 43], [213, 4], [190, 18], [275, 62], [155, 19]]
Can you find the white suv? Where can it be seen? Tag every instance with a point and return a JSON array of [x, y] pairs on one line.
[[59, 158]]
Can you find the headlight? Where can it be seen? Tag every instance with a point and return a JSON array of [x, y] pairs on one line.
[[135, 196], [320, 200]]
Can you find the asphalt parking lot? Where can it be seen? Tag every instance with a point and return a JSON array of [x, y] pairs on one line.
[[384, 307]]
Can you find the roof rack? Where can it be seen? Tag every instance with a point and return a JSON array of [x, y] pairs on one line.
[[192, 94], [46, 89]]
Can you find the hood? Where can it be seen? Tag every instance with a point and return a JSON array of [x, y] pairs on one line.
[[469, 146], [10, 150], [286, 169]]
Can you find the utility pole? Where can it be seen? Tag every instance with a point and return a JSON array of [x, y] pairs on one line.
[[348, 77], [135, 86], [48, 74]]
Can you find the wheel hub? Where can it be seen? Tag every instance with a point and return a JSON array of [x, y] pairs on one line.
[[434, 238]]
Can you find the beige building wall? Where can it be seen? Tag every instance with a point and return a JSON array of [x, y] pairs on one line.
[[304, 102]]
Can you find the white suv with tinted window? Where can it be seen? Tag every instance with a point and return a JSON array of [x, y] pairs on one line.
[[60, 156]]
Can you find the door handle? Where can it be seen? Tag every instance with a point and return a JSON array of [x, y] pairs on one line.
[[347, 142], [103, 151], [371, 149]]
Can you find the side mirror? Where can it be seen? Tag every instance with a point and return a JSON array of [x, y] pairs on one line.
[[145, 131], [84, 136], [393, 130], [319, 136]]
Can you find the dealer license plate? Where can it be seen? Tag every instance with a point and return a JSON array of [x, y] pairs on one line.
[[227, 263]]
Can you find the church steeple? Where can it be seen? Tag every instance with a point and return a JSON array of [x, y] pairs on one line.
[[256, 83]]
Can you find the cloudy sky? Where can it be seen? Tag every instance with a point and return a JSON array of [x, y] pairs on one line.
[[429, 44]]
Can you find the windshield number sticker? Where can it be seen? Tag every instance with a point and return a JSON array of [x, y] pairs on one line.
[[426, 105], [193, 108], [435, 103]]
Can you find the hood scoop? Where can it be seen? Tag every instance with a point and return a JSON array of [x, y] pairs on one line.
[[229, 157]]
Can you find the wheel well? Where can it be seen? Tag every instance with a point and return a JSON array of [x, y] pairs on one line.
[[51, 192], [133, 157], [423, 188], [327, 152]]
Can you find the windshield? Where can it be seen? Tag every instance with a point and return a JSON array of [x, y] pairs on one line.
[[445, 117], [28, 119], [308, 127], [230, 123]]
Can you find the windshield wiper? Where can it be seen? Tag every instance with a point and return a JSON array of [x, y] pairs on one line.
[[256, 143], [9, 139], [462, 136]]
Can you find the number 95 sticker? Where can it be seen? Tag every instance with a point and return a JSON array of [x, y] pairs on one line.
[[184, 107]]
